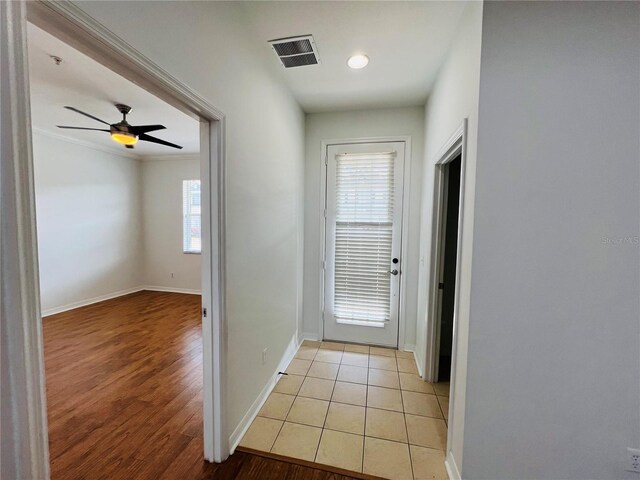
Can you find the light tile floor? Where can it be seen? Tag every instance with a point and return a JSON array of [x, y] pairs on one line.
[[358, 408]]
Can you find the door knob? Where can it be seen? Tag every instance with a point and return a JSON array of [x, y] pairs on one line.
[[393, 272]]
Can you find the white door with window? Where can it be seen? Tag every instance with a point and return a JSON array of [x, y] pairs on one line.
[[363, 264]]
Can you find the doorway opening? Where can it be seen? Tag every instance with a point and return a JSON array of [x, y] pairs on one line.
[[448, 253]]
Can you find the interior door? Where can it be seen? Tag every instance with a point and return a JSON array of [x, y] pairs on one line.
[[363, 261]]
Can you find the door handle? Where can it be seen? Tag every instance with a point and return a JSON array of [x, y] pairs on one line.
[[393, 272]]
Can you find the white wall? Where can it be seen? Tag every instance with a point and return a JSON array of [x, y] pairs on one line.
[[162, 224], [207, 46], [359, 124], [89, 225], [554, 335], [454, 97]]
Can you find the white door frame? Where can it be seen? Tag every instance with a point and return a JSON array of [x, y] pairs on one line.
[[456, 145], [70, 24], [405, 222]]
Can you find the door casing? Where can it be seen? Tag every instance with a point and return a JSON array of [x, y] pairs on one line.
[[405, 222], [69, 23]]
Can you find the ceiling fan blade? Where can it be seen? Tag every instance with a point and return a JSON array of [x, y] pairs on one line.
[[84, 128], [129, 146], [86, 114], [149, 138], [139, 129]]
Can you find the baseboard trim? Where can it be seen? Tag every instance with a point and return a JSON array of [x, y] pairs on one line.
[[452, 468], [313, 337], [419, 363], [119, 293], [155, 288], [89, 301], [251, 414]]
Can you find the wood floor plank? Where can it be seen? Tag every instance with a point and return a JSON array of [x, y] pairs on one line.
[[124, 394]]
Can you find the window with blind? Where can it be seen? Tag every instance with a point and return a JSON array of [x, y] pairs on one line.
[[363, 237], [191, 240]]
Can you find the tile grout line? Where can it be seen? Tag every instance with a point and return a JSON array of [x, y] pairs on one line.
[[366, 407], [406, 429], [328, 407]]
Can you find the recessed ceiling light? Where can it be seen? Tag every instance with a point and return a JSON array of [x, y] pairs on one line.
[[358, 61]]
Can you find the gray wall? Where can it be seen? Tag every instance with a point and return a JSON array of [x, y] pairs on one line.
[[554, 333]]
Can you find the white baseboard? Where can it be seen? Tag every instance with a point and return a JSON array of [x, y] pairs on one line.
[[109, 296], [251, 414], [155, 288], [89, 301], [419, 363], [452, 468], [309, 336]]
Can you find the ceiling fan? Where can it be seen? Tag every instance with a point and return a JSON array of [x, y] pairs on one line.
[[122, 132]]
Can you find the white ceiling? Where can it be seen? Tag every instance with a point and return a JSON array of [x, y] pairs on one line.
[[87, 85], [406, 42]]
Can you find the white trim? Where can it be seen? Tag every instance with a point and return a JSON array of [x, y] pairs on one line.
[[456, 144], [405, 221], [251, 414], [452, 468], [188, 291], [90, 301], [72, 25], [312, 337], [178, 156], [24, 435], [101, 148], [119, 293]]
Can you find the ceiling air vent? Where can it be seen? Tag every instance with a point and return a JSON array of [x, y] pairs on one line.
[[296, 51]]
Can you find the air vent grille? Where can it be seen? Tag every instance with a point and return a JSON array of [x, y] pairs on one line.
[[296, 51]]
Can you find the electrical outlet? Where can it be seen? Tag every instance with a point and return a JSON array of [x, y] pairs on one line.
[[264, 356], [633, 460]]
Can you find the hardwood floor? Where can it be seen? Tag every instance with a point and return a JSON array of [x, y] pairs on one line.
[[124, 392]]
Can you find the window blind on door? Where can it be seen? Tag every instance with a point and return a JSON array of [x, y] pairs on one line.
[[364, 227]]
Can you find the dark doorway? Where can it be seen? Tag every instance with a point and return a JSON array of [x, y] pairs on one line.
[[448, 267]]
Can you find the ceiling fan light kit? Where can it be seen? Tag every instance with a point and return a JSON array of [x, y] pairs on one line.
[[122, 132]]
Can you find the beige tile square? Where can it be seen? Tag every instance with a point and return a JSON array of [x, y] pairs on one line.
[[444, 406], [383, 378], [311, 343], [332, 346], [427, 431], [385, 398], [386, 424], [329, 356], [309, 411], [351, 374], [277, 406], [352, 393], [421, 404], [319, 388], [306, 353], [298, 366], [289, 384], [413, 383], [383, 352], [407, 365], [261, 434], [387, 459], [297, 441], [441, 388], [428, 464], [401, 354], [342, 450], [323, 370], [345, 418], [355, 359], [356, 348], [383, 363]]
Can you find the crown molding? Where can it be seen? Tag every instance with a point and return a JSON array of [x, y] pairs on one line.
[[84, 143]]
